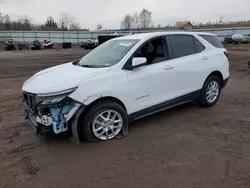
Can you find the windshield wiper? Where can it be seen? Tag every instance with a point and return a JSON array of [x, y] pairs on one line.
[[93, 66], [89, 66]]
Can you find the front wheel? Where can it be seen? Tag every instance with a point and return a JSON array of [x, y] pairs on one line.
[[211, 91], [103, 121]]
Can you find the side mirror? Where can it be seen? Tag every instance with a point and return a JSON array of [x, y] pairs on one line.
[[138, 61]]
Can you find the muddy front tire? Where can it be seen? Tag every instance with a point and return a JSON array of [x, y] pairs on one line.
[[103, 121]]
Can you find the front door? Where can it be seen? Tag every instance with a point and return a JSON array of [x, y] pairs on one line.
[[147, 84]]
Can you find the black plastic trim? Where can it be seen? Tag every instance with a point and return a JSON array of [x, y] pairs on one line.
[[225, 82], [165, 105]]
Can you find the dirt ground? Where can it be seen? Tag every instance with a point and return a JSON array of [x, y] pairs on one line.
[[238, 47], [184, 147]]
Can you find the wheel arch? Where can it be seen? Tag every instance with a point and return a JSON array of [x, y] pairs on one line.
[[216, 73], [104, 99]]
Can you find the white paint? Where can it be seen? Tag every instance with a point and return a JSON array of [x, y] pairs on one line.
[[138, 61], [59, 78], [139, 88]]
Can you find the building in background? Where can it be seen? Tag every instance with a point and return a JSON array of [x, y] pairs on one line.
[[184, 25]]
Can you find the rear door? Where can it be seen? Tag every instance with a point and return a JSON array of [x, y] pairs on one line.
[[217, 55], [187, 56]]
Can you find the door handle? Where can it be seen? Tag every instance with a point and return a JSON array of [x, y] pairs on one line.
[[169, 67], [205, 58]]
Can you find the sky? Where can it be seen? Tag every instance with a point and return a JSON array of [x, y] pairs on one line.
[[109, 13]]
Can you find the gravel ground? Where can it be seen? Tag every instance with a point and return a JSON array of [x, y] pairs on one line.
[[184, 147]]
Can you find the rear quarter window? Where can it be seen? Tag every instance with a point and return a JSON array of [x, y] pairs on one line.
[[212, 39], [199, 46]]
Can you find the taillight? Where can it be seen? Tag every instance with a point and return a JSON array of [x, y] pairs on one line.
[[226, 53]]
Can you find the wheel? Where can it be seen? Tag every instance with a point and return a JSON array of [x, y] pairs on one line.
[[210, 92], [103, 121]]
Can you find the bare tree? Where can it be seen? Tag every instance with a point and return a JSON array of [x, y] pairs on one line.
[[24, 23], [136, 17], [138, 20], [1, 18], [50, 24], [7, 22], [64, 21], [68, 22], [145, 18], [127, 22], [1, 22], [99, 27], [74, 26]]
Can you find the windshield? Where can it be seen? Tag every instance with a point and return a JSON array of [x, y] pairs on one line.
[[108, 53]]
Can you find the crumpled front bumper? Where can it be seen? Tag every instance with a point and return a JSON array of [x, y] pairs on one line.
[[55, 118]]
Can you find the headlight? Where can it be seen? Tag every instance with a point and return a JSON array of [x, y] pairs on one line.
[[52, 98]]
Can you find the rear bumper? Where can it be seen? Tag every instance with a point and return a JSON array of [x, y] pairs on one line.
[[225, 82]]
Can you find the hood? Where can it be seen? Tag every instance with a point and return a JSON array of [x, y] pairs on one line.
[[59, 78]]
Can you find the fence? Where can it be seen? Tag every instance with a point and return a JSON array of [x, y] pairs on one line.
[[79, 36]]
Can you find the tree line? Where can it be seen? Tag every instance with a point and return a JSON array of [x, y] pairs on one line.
[[65, 22], [138, 20]]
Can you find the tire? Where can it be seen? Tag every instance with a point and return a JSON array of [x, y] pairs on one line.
[[87, 127], [204, 99]]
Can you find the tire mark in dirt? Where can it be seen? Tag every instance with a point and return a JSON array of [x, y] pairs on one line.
[[28, 166]]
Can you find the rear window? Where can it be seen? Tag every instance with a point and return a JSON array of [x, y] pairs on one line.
[[212, 40], [182, 45]]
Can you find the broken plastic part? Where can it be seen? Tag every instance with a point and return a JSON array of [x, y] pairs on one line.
[[61, 116], [75, 137], [45, 120], [72, 111], [59, 119]]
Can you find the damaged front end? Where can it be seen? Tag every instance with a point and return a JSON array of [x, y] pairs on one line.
[[50, 112]]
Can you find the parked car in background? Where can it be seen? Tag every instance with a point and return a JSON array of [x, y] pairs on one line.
[[89, 44], [236, 39], [125, 79], [239, 38], [228, 39]]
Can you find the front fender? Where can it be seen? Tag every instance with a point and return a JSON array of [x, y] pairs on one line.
[[89, 99]]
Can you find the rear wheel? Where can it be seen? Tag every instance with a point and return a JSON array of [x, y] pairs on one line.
[[211, 91], [103, 121]]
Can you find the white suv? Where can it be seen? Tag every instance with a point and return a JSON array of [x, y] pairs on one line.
[[125, 79]]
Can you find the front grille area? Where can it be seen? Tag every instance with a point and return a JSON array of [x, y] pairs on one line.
[[30, 100]]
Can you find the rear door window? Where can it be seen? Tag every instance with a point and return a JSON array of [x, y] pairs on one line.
[[212, 39], [182, 45]]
